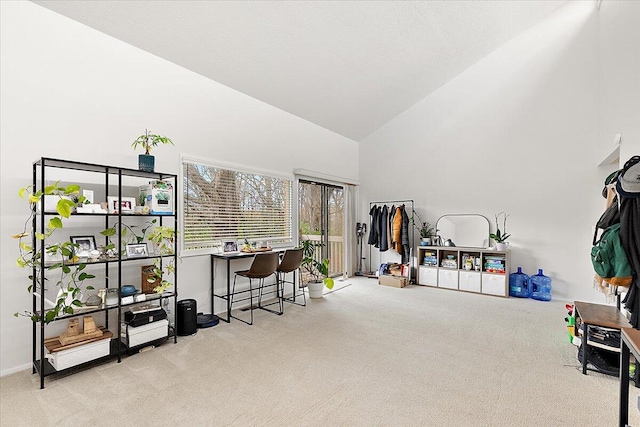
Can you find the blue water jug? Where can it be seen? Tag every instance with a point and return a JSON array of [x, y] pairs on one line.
[[541, 287], [519, 284]]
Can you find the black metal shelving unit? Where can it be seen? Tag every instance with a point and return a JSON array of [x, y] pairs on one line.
[[117, 349]]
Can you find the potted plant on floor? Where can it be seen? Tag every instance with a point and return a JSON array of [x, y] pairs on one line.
[[318, 271], [500, 236], [146, 162]]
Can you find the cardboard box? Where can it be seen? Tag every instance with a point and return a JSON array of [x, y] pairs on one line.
[[64, 359], [395, 281], [158, 197], [132, 337]]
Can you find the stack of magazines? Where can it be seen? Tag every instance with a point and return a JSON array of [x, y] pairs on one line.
[[494, 264]]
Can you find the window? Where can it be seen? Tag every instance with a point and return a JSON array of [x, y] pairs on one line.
[[223, 205]]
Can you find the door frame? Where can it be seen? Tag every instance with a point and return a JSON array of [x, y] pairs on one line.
[[324, 225]]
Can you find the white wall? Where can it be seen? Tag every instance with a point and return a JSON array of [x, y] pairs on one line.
[[619, 48], [516, 132], [71, 92]]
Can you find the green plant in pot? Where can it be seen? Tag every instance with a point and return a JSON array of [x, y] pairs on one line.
[[146, 162], [427, 231], [128, 234], [316, 270], [54, 258], [500, 236], [163, 238]]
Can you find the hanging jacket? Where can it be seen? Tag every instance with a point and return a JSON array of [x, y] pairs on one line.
[[373, 236], [392, 213], [405, 236], [384, 224], [630, 239], [397, 230]]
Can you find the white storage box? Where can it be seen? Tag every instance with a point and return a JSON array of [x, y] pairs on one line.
[[64, 359], [158, 197], [132, 337], [51, 203]]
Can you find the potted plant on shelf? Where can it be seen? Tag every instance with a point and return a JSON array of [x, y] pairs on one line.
[[426, 233], [163, 238], [500, 236], [426, 230], [318, 271], [70, 277], [146, 162]]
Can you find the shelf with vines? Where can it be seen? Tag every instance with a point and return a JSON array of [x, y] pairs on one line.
[[63, 272]]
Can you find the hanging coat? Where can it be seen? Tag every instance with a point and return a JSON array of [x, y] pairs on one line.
[[392, 213], [384, 225], [405, 236], [397, 230], [372, 226], [630, 238]]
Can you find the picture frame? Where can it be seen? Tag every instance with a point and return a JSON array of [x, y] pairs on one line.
[[86, 244], [137, 250], [230, 247], [126, 205]]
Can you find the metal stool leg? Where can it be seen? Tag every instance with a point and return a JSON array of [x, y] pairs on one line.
[[250, 300], [260, 306], [292, 299]]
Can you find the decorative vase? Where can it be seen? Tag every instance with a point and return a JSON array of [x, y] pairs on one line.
[[502, 246], [146, 162], [425, 241], [315, 289]]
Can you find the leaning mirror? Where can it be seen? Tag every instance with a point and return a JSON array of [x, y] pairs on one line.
[[464, 230]]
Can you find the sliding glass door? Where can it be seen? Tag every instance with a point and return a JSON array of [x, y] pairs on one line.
[[322, 221]]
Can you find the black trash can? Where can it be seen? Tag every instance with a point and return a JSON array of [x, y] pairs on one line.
[[187, 317]]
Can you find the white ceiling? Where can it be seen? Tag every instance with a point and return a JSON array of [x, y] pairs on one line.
[[348, 66]]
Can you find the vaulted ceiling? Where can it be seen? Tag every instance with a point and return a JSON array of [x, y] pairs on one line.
[[348, 66]]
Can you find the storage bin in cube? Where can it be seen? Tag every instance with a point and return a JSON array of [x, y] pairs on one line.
[[80, 354], [132, 337], [158, 196]]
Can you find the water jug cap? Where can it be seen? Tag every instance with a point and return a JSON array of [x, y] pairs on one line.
[[519, 269], [540, 272]]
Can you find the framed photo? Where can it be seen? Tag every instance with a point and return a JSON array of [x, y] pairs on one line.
[[126, 205], [230, 247], [137, 250], [85, 244]]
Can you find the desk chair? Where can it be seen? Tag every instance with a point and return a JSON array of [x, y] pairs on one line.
[[290, 264], [263, 266]]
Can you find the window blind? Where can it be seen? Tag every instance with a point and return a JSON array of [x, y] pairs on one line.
[[227, 205]]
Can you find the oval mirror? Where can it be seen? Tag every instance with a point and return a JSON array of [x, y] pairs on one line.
[[464, 230]]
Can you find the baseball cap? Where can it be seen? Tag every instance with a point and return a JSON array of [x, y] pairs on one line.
[[628, 184]]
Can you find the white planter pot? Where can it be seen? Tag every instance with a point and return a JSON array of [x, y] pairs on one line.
[[502, 246], [425, 241], [315, 289]]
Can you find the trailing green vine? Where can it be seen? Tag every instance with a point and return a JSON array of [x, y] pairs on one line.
[[128, 234], [163, 238], [70, 278]]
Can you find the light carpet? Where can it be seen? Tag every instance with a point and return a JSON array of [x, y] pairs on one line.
[[363, 355]]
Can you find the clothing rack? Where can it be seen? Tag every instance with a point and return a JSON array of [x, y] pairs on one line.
[[411, 222]]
